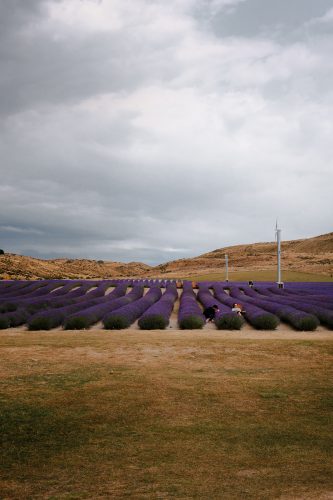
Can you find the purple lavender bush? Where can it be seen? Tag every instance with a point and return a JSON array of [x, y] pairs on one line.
[[258, 317], [123, 317], [52, 318], [225, 319], [4, 322], [29, 290], [158, 315], [13, 288], [300, 320], [190, 315], [34, 300], [87, 317], [12, 319]]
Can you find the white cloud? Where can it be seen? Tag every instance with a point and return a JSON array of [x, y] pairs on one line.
[[327, 18], [145, 136]]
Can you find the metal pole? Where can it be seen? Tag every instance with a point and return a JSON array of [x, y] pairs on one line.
[[278, 238], [226, 267]]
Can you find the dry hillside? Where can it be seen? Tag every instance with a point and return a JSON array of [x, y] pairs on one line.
[[313, 255]]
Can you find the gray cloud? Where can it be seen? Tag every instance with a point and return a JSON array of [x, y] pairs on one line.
[[282, 19], [148, 134]]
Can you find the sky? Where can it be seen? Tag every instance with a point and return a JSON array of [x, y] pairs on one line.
[[146, 130]]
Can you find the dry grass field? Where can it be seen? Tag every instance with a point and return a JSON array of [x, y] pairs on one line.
[[308, 259], [166, 414], [257, 275]]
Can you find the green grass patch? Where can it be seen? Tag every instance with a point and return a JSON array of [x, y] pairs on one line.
[[261, 275], [31, 433], [273, 395]]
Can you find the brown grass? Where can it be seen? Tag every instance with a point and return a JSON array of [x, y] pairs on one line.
[[309, 259], [169, 414], [259, 275]]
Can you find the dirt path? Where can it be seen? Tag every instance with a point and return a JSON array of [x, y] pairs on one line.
[[208, 331]]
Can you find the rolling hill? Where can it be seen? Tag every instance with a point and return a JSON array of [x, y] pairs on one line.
[[311, 255]]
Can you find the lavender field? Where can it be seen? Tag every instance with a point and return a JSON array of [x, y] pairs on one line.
[[149, 304]]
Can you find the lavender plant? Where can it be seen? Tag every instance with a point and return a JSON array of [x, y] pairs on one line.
[[123, 317], [158, 315], [190, 315], [91, 315]]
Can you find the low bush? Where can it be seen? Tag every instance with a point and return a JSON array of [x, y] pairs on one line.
[[16, 318], [77, 323], [116, 322], [37, 306], [265, 321], [229, 322], [4, 323], [303, 322], [326, 319], [8, 307], [41, 323], [191, 323], [152, 322]]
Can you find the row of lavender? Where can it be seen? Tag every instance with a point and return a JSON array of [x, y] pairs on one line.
[[76, 304]]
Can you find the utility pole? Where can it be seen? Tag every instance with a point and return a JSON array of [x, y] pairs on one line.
[[278, 241], [226, 268]]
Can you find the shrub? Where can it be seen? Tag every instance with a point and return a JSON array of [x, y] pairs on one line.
[[229, 322], [1, 251], [41, 323], [303, 322], [265, 321], [191, 322], [77, 323], [327, 319], [190, 315], [116, 322], [153, 322], [124, 316], [4, 323], [157, 316], [8, 307]]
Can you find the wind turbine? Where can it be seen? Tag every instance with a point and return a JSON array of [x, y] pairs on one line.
[[278, 240]]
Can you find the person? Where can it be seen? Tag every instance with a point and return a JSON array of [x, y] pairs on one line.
[[210, 312], [238, 309]]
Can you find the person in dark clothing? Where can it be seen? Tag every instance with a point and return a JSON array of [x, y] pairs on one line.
[[210, 312]]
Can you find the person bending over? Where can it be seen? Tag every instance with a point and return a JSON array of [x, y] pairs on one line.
[[238, 309], [210, 313]]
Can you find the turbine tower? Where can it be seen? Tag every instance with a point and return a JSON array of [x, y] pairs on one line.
[[278, 240], [226, 268]]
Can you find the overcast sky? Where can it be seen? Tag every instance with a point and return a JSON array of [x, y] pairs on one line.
[[151, 130]]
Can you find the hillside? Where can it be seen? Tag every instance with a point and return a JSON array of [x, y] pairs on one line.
[[21, 267], [311, 255]]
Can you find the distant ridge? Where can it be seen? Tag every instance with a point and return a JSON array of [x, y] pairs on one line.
[[311, 255]]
